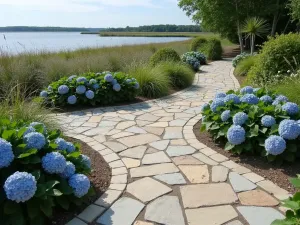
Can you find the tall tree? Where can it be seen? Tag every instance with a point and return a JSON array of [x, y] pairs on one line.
[[294, 6]]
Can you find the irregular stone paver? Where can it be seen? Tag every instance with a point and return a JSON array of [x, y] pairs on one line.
[[76, 221], [165, 210], [124, 125], [160, 145], [180, 150], [154, 130], [218, 158], [253, 177], [219, 174], [108, 198], [240, 183], [178, 142], [259, 215], [131, 163], [217, 215], [171, 178], [257, 198], [235, 222], [195, 174], [155, 158], [145, 171], [136, 130], [142, 223], [148, 117], [205, 159], [91, 213], [194, 196], [147, 189], [137, 140], [115, 146], [173, 133], [186, 160], [136, 152], [122, 212], [177, 123], [272, 188]]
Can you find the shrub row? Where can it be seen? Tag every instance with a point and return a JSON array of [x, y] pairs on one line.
[[212, 47], [239, 58], [254, 121], [39, 171], [194, 59]]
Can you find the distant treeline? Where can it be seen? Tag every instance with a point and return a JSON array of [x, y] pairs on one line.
[[158, 28], [42, 29]]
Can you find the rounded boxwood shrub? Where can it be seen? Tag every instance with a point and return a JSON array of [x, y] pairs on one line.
[[256, 121], [194, 59], [91, 88], [245, 65], [239, 58], [274, 57], [39, 172], [197, 43], [164, 54], [212, 49]]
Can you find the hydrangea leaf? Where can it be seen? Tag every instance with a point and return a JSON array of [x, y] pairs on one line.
[[50, 184], [7, 134], [11, 207], [229, 146], [54, 192], [63, 202], [295, 182], [32, 209], [28, 153]]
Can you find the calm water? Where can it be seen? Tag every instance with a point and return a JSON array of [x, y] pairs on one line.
[[19, 42]]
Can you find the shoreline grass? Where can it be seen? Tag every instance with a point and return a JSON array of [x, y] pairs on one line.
[[152, 34]]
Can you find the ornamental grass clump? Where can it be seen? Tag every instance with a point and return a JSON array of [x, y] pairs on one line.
[[255, 121], [91, 88], [194, 59], [39, 172]]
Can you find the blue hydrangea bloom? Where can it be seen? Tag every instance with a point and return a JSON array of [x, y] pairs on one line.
[[29, 130], [108, 77], [136, 85], [220, 95], [63, 89], [68, 171], [236, 135], [217, 103], [80, 184], [71, 77], [90, 94], [250, 99], [44, 94], [92, 81], [128, 81], [20, 187], [86, 161], [246, 90], [54, 162], [81, 79], [35, 140], [290, 108], [70, 147], [205, 107], [256, 90], [268, 121], [276, 102], [289, 129], [266, 99], [80, 89], [232, 97], [72, 100], [114, 81], [282, 98], [96, 86], [275, 145], [50, 88], [61, 144], [117, 87], [225, 115], [6, 153], [240, 118]]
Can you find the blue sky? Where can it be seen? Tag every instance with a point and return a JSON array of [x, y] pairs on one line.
[[91, 13]]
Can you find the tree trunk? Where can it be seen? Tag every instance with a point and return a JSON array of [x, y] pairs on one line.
[[275, 19], [239, 28], [241, 42], [252, 43]]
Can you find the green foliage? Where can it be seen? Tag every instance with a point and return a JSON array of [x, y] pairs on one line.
[[197, 43], [273, 58], [295, 9], [104, 92], [212, 49], [239, 58], [164, 54], [293, 205], [256, 132], [245, 65], [53, 191], [158, 28]]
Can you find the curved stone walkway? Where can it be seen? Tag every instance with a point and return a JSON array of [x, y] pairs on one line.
[[161, 174]]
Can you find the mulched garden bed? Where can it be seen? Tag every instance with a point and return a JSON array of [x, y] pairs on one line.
[[277, 174], [100, 179]]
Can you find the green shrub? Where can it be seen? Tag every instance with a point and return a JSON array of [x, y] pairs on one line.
[[152, 84], [274, 56], [254, 121], [91, 88], [239, 58], [180, 74], [194, 59], [164, 54], [197, 43], [37, 173], [293, 206], [212, 49], [244, 66]]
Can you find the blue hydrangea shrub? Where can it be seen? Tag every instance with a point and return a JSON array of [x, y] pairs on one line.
[[256, 121], [194, 59], [91, 89], [39, 172]]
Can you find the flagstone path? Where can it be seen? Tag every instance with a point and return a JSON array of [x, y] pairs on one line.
[[161, 174]]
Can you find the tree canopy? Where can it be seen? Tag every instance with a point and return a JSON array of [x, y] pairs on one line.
[[158, 28]]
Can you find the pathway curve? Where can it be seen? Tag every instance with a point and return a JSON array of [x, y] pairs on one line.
[[161, 174]]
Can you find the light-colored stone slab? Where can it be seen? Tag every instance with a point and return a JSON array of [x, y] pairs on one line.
[[217, 215], [235, 222], [272, 188], [152, 150], [218, 158], [136, 152], [91, 212], [111, 157], [196, 174], [148, 117], [154, 130], [186, 160], [108, 198], [100, 138], [152, 170], [131, 163], [219, 174], [205, 159], [115, 146], [107, 124], [119, 171], [155, 158], [171, 178], [116, 164], [180, 150], [125, 125], [173, 133], [139, 222], [121, 134], [136, 130], [137, 140], [118, 187], [160, 145], [147, 189], [257, 198], [122, 212], [76, 221], [177, 123], [208, 151], [230, 164], [253, 177], [240, 183], [241, 170], [259, 215], [159, 124], [165, 210], [194, 196], [178, 142], [119, 179]]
